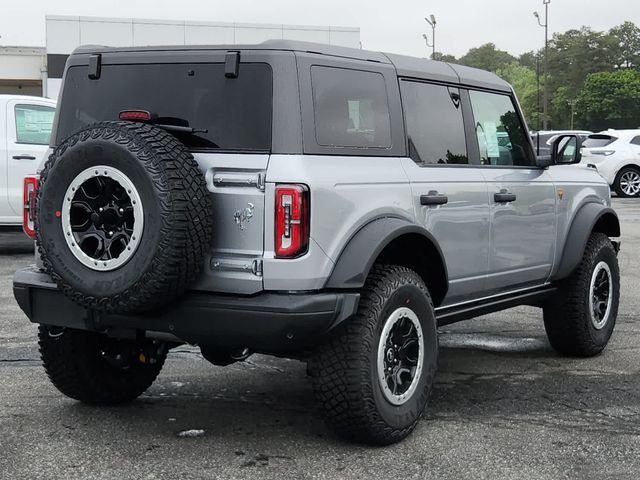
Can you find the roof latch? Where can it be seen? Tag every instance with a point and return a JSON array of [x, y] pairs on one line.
[[231, 64]]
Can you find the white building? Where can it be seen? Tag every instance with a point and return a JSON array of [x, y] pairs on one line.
[[65, 33], [22, 70]]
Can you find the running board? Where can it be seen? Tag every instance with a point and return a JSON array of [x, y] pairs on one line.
[[456, 313]]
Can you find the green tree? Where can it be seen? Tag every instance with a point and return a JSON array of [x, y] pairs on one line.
[[573, 55], [610, 100], [523, 81], [444, 57], [487, 57], [626, 48]]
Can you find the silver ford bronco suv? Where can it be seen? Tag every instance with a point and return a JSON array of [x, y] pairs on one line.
[[328, 204]]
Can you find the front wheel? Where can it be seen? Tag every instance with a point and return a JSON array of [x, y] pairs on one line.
[[373, 377], [581, 319], [96, 369]]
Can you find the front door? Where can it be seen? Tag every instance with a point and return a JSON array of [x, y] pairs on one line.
[[449, 195], [522, 196], [28, 131]]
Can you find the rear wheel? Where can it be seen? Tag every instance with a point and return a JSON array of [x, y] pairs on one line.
[[374, 375], [581, 319], [627, 182], [96, 369]]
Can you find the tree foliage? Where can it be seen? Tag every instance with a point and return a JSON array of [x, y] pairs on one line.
[[594, 71], [611, 100], [487, 57]]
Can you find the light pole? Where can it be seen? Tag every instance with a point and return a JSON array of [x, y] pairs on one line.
[[546, 60], [431, 21]]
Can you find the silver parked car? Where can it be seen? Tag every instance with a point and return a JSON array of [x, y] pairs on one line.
[[329, 204]]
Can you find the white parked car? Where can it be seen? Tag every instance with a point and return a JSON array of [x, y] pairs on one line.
[[25, 128], [616, 155]]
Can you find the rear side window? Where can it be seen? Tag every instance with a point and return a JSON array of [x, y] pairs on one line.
[[33, 124], [433, 118], [502, 138], [598, 140], [235, 112], [350, 108]]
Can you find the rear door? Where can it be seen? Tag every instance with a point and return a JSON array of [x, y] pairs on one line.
[[522, 196], [449, 193], [29, 125], [231, 111]]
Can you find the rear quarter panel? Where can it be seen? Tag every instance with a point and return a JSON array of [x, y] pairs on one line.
[[347, 192]]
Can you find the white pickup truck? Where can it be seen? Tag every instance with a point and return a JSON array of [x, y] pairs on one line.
[[25, 128]]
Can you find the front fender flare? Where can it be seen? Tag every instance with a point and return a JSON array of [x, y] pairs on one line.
[[585, 221]]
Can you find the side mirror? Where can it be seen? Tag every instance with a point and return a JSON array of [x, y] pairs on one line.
[[565, 150]]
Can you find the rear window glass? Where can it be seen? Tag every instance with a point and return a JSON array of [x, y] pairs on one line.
[[350, 108], [235, 112], [596, 141], [33, 124]]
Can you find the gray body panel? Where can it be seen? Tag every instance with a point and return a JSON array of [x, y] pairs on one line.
[[487, 248]]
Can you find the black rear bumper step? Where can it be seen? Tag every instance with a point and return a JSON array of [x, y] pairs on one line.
[[266, 322]]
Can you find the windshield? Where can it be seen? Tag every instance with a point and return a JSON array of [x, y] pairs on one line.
[[228, 113]]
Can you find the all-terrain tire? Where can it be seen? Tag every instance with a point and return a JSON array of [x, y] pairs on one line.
[[177, 217], [568, 319], [617, 187], [76, 363], [344, 369]]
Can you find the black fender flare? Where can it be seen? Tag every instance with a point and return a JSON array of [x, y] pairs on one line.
[[361, 251], [589, 216]]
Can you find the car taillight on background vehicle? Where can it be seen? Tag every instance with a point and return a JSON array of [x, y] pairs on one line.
[[29, 192], [292, 221]]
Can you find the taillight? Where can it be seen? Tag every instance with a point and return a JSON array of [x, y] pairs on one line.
[[29, 193], [292, 220], [139, 115]]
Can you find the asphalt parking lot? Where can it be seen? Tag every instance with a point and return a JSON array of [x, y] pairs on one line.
[[505, 406]]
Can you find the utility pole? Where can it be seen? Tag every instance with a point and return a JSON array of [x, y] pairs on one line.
[[545, 100], [572, 104], [431, 21]]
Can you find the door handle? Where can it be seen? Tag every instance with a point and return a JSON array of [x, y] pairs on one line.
[[433, 198], [504, 197], [24, 157]]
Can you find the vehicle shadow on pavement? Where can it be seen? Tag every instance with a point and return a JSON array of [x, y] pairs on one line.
[[264, 407], [14, 241]]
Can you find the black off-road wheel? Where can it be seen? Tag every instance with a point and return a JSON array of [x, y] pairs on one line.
[[98, 370], [373, 376], [580, 320], [123, 217]]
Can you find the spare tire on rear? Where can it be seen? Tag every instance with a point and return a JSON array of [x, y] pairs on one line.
[[123, 217]]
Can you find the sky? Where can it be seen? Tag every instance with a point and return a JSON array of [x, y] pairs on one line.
[[392, 26]]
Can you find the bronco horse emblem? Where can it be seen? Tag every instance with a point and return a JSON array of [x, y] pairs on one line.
[[244, 216]]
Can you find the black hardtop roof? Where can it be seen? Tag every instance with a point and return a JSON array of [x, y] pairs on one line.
[[406, 66]]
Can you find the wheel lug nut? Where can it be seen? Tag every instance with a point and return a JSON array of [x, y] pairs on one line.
[[100, 209]]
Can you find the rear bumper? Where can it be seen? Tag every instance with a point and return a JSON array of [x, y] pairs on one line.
[[266, 322]]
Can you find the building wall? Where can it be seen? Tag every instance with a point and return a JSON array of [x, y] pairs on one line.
[[65, 33], [22, 70]]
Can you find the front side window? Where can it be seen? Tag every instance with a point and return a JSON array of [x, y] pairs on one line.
[[350, 108], [501, 136], [33, 124], [635, 140], [434, 124]]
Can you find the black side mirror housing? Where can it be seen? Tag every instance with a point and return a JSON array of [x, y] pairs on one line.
[[565, 150]]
